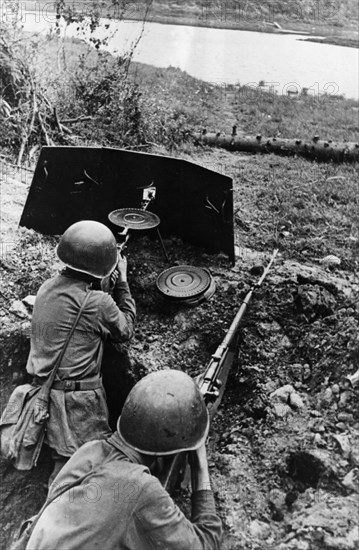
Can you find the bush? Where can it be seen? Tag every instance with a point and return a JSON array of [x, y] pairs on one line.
[[124, 111]]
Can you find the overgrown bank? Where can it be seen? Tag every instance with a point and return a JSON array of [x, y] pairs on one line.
[[90, 97], [283, 448]]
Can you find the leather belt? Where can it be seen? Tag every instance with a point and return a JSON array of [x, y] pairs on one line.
[[92, 383], [77, 385]]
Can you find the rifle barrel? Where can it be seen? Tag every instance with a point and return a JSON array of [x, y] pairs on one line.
[[218, 367], [234, 325]]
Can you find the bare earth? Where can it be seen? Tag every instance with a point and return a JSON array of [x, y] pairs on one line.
[[284, 447]]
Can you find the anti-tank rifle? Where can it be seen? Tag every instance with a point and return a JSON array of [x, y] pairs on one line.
[[213, 382]]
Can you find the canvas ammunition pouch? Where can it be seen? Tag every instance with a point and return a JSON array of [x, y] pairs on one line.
[[22, 426], [23, 422]]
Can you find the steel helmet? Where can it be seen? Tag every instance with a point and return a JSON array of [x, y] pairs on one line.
[[89, 247], [164, 414]]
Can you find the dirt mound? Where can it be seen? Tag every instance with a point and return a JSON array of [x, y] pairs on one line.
[[284, 445]]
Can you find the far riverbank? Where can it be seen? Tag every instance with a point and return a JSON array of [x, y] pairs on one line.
[[315, 29], [322, 34], [319, 26]]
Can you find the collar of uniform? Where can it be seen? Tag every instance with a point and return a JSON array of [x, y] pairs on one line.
[[117, 441], [78, 275]]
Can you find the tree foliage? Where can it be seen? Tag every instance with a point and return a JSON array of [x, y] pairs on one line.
[[35, 111]]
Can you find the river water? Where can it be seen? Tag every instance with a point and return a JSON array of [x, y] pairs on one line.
[[283, 62]]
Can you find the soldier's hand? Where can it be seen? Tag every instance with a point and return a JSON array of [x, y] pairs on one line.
[[201, 455], [121, 268], [199, 468], [113, 278]]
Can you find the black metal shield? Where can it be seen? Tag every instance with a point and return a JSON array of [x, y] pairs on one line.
[[76, 183]]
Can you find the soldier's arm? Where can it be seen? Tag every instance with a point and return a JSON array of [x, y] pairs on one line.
[[163, 525], [119, 312]]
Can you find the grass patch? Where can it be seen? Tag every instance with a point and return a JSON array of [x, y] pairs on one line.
[[307, 210]]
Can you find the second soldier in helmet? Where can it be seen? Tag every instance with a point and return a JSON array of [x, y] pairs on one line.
[[106, 498]]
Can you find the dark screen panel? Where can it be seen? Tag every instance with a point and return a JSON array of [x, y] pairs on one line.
[[75, 183]]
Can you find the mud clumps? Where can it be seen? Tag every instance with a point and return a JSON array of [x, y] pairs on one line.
[[314, 302], [278, 478]]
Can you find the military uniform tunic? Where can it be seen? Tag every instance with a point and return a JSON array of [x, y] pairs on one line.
[[76, 416], [112, 502]]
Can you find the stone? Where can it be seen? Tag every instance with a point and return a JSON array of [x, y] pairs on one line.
[[354, 457], [276, 499], [269, 386], [29, 301], [296, 401], [285, 342], [232, 287], [19, 309], [351, 480], [191, 344], [352, 380], [344, 399], [316, 426], [344, 444], [259, 529], [318, 440], [330, 260], [152, 338], [315, 301], [341, 426], [283, 393], [268, 328], [328, 396], [315, 413], [281, 410], [349, 542], [345, 417]]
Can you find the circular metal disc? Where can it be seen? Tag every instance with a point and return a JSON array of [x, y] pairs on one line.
[[183, 281], [208, 293], [134, 218]]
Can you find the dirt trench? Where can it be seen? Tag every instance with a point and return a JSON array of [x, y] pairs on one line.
[[283, 454], [284, 446]]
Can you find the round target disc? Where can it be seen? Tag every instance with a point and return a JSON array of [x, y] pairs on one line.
[[183, 281], [134, 218]]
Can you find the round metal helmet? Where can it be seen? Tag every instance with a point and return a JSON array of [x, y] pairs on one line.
[[164, 414], [89, 247]]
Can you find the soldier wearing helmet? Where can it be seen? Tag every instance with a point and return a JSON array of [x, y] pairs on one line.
[[78, 410], [106, 497]]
